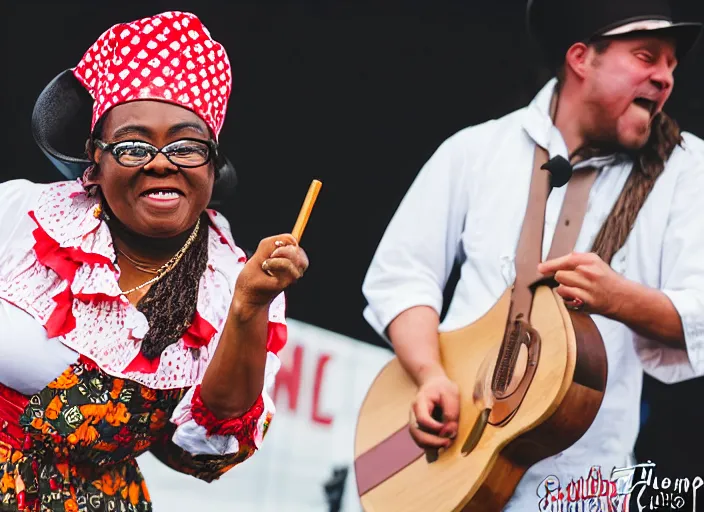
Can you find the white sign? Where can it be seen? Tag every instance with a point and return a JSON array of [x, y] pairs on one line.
[[319, 390]]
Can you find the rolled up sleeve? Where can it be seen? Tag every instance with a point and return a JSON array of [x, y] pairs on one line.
[[200, 444], [683, 282], [415, 256]]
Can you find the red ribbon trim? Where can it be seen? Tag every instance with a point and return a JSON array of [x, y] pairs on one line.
[[277, 334], [65, 261], [243, 427]]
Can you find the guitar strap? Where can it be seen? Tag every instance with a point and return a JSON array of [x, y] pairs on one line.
[[528, 255], [530, 243]]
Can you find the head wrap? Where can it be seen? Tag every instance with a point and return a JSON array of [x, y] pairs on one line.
[[167, 57]]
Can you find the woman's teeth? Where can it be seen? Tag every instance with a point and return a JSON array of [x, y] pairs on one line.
[[163, 195]]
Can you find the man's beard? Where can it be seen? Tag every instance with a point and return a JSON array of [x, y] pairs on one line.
[[599, 141], [604, 136]]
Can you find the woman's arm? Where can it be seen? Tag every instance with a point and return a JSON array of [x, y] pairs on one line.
[[235, 375]]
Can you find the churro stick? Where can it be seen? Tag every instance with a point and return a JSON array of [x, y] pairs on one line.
[[304, 214]]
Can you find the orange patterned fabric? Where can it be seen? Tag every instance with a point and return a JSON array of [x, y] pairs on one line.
[[83, 432]]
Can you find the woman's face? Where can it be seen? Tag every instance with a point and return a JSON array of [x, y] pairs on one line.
[[158, 199]]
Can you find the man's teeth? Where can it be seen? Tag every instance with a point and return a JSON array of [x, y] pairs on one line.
[[163, 195]]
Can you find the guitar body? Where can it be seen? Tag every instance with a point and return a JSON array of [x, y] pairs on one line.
[[561, 402]]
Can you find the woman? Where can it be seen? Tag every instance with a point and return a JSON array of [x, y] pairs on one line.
[[145, 326]]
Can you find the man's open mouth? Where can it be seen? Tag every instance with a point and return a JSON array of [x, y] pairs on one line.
[[649, 105]]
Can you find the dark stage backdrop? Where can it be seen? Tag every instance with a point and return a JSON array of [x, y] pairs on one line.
[[356, 94]]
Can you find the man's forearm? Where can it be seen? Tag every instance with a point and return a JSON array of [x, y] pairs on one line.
[[650, 313], [414, 335]]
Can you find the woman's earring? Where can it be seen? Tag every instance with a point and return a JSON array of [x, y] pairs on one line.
[[100, 213]]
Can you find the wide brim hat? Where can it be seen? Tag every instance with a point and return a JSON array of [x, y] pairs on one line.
[[169, 57], [558, 24]]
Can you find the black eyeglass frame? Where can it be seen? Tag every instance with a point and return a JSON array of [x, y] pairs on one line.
[[109, 147]]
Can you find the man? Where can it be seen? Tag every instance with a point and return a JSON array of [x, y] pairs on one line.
[[638, 265]]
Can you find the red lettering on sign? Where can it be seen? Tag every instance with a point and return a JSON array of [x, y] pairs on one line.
[[289, 377], [317, 416]]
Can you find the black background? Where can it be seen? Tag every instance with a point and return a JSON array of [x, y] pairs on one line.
[[356, 94]]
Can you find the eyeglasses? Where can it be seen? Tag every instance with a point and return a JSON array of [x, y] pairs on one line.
[[182, 153]]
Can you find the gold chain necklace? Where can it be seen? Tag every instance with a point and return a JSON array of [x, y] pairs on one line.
[[169, 265], [136, 264]]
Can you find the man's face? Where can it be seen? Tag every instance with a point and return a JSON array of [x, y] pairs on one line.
[[625, 87]]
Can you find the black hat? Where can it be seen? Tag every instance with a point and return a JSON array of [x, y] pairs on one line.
[[65, 106], [558, 24]]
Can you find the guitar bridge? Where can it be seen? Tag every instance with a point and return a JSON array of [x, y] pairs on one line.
[[508, 393], [516, 335]]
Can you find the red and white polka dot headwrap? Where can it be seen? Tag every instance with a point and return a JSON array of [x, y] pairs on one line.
[[168, 57]]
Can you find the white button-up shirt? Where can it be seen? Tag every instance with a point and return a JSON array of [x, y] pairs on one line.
[[467, 204]]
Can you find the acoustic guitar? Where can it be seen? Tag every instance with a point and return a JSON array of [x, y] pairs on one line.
[[529, 389]]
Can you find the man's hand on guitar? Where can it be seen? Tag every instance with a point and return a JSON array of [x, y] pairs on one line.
[[586, 282], [436, 393]]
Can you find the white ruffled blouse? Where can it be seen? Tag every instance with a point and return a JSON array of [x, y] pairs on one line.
[[60, 300]]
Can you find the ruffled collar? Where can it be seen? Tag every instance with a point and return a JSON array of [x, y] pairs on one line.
[[69, 283]]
